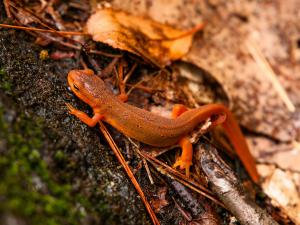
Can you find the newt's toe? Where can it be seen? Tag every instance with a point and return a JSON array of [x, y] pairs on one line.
[[183, 165], [70, 108]]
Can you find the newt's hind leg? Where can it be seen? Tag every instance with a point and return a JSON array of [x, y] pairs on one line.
[[185, 160]]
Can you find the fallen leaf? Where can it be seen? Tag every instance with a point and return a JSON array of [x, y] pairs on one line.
[[178, 13], [160, 201], [155, 42], [284, 194], [253, 97], [283, 155]]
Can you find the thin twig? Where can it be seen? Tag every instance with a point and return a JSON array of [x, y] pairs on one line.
[[134, 86], [7, 10], [43, 30], [269, 72], [109, 68], [121, 159], [148, 171], [34, 15], [62, 33], [177, 176], [92, 51], [130, 72], [182, 179], [137, 150], [138, 85]]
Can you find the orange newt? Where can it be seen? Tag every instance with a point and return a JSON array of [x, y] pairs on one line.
[[152, 129]]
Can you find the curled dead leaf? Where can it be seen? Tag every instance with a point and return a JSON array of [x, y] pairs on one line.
[[282, 189], [160, 201], [155, 42]]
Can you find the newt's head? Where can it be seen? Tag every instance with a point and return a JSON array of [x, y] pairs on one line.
[[84, 84]]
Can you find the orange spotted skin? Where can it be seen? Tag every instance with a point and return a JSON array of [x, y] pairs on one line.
[[147, 127]]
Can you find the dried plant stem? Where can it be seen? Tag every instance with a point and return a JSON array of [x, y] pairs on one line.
[[121, 159], [6, 5], [165, 169], [43, 30], [269, 72]]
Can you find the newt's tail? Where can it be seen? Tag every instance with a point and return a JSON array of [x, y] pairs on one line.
[[239, 143], [195, 116]]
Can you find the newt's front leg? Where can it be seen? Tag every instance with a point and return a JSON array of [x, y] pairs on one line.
[[84, 117], [185, 160]]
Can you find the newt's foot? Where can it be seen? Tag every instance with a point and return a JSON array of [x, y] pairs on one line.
[[85, 117], [123, 97], [71, 109], [183, 165]]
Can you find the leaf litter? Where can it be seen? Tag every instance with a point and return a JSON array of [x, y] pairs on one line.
[[223, 51], [226, 56], [155, 42]]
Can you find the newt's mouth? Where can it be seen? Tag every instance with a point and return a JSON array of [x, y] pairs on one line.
[[72, 76], [70, 80]]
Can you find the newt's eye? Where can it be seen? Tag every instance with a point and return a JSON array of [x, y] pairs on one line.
[[75, 87]]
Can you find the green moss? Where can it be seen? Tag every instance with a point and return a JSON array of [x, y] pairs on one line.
[[37, 162], [59, 156], [2, 71], [26, 187], [4, 81]]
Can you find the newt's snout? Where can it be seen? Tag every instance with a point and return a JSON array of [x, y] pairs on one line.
[[82, 84], [74, 75], [78, 77]]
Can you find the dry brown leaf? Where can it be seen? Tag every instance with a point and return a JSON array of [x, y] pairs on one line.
[[254, 99], [283, 192], [155, 42], [180, 13], [283, 155], [160, 201]]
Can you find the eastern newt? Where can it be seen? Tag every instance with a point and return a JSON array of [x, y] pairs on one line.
[[152, 129]]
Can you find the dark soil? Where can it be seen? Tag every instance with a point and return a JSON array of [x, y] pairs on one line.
[[54, 169]]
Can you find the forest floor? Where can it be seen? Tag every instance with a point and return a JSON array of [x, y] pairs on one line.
[[57, 170]]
